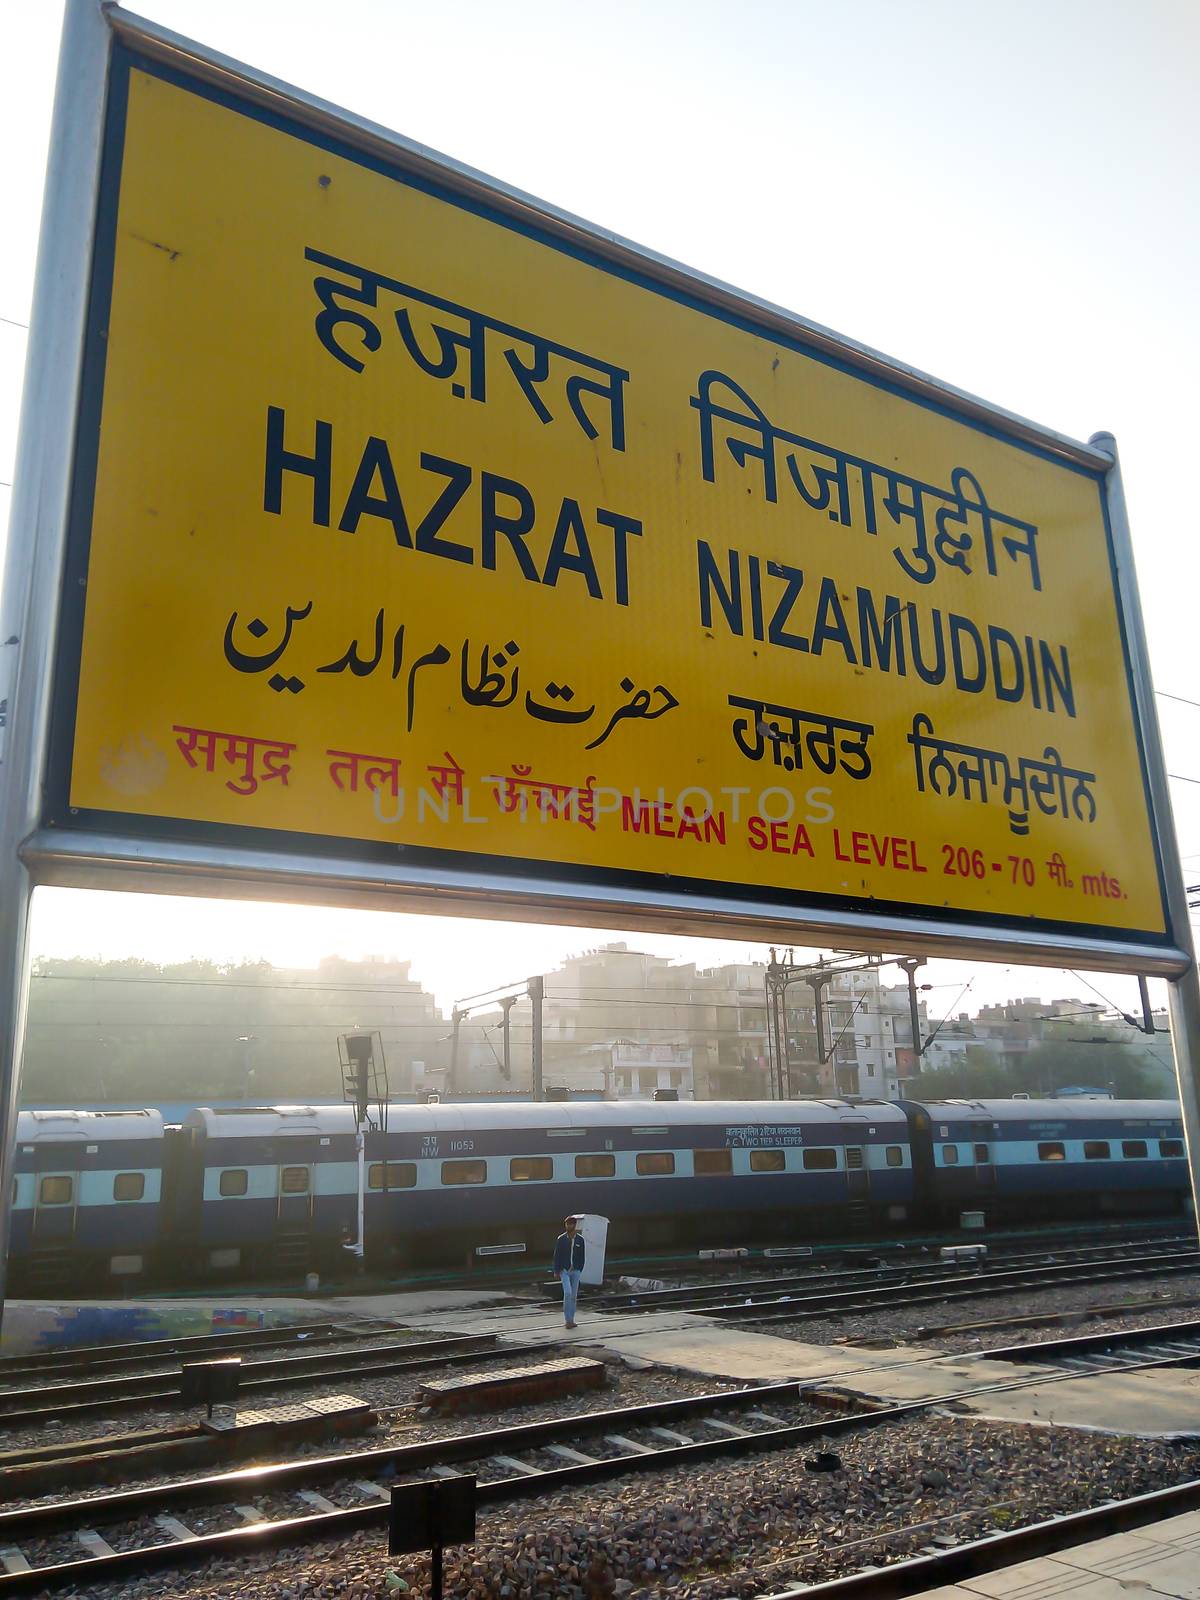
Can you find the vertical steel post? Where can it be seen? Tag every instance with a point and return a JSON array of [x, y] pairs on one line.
[[783, 1050], [452, 1075], [772, 1042], [1147, 1008], [360, 1146], [910, 965], [817, 985], [1184, 1000], [537, 990], [1184, 990], [506, 1006], [38, 521]]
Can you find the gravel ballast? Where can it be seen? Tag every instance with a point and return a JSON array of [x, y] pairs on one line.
[[740, 1527], [409, 1424], [1149, 1303]]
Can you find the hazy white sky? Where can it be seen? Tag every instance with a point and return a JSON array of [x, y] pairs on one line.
[[1003, 195]]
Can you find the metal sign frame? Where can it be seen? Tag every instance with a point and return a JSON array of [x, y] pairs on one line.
[[58, 412], [65, 846]]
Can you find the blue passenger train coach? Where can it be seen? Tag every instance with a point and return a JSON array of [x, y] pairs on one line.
[[1026, 1158], [272, 1190], [268, 1183], [87, 1195]]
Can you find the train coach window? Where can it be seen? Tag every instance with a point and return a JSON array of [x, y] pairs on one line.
[[1096, 1150], [400, 1175], [464, 1171], [1052, 1152], [293, 1180], [820, 1160], [712, 1163], [655, 1163], [983, 1154], [56, 1191], [1170, 1147], [894, 1155], [766, 1161], [1134, 1149], [129, 1185], [531, 1169], [949, 1155], [234, 1182], [595, 1166]]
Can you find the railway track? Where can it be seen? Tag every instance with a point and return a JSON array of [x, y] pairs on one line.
[[52, 1545], [928, 1574], [785, 1299], [90, 1359], [98, 1381], [1128, 1254], [99, 1396]]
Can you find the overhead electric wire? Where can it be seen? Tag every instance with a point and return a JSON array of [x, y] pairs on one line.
[[521, 983], [1111, 1004], [845, 1025], [398, 998], [398, 1027], [219, 982], [946, 1018]]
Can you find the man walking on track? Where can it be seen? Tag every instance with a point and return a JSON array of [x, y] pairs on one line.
[[569, 1255]]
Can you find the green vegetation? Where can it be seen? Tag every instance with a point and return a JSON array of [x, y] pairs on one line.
[[1056, 1063], [112, 1031]]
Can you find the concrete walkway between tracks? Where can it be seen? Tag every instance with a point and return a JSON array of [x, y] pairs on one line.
[[1164, 1402]]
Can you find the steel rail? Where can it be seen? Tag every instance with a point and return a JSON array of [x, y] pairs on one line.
[[487, 1349], [244, 1541], [1084, 1343], [926, 1574], [463, 1448], [133, 1384], [213, 1487], [912, 1271], [93, 1358], [960, 1287]]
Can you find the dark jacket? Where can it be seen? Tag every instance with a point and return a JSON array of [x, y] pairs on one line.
[[569, 1253]]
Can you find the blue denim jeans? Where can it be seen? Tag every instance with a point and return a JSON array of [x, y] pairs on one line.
[[570, 1283]]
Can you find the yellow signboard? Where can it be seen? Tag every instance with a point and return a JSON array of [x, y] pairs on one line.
[[413, 527]]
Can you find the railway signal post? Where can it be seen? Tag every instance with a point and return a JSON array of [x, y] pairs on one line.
[[364, 1083]]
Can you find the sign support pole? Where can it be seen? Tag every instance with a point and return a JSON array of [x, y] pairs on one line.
[[1184, 990], [537, 990], [38, 521], [1184, 996]]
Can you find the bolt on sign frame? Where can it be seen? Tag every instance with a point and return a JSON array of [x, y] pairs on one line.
[[367, 511]]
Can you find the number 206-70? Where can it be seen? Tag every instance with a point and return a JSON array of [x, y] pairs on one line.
[[959, 862]]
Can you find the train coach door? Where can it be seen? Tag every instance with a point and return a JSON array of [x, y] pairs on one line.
[[56, 1200], [858, 1174], [294, 1194], [982, 1155]]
